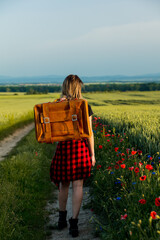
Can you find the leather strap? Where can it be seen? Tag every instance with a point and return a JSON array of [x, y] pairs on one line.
[[47, 132], [75, 123]]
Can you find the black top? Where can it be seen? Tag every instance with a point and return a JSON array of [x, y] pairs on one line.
[[90, 112]]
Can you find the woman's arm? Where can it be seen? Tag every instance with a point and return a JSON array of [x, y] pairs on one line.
[[91, 144]]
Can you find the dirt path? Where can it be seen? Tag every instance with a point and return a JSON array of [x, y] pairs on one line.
[[10, 142], [85, 226]]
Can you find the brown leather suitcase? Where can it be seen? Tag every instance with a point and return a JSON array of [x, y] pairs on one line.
[[61, 121]]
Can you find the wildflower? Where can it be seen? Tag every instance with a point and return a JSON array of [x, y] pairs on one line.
[[112, 172], [135, 163], [108, 140], [100, 228], [150, 158], [123, 217], [136, 170], [118, 198], [119, 162], [95, 118], [153, 214], [143, 178], [139, 152], [99, 166], [116, 149], [153, 173], [158, 157], [109, 168], [157, 201], [112, 135], [133, 152], [123, 166], [117, 182], [122, 154], [131, 168], [142, 201], [140, 164], [116, 166], [107, 135], [134, 183], [123, 159], [36, 153], [149, 167], [100, 146]]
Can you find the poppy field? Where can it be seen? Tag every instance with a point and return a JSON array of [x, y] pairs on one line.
[[125, 186]]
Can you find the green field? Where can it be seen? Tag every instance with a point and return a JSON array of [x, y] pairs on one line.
[[17, 110], [137, 113]]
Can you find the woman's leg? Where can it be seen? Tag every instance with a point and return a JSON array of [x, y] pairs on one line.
[[77, 196], [63, 195]]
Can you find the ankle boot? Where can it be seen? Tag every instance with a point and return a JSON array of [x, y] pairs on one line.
[[73, 230], [62, 223]]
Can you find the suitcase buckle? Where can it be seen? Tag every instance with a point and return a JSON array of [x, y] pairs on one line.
[[74, 117], [46, 120]]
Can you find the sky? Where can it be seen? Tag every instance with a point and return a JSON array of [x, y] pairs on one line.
[[87, 37]]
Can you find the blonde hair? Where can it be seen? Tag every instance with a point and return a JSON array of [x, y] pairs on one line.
[[71, 87]]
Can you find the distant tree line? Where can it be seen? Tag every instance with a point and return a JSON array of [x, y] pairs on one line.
[[36, 89]]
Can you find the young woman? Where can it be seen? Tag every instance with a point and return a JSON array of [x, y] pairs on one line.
[[72, 162]]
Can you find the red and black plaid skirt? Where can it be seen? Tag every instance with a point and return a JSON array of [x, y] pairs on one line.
[[72, 161]]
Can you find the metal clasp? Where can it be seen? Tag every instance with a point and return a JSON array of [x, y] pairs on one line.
[[74, 117], [46, 120]]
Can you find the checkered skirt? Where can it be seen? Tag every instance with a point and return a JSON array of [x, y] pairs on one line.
[[72, 161]]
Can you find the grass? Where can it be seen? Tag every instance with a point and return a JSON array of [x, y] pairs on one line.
[[25, 188]]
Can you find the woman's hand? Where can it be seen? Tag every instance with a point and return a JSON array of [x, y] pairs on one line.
[[93, 160]]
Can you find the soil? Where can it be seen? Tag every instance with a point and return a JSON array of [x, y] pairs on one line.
[[8, 143], [85, 224]]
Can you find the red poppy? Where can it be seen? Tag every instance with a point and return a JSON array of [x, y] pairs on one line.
[[157, 201], [142, 201], [143, 178], [99, 166], [136, 170], [95, 118], [116, 166], [140, 164], [116, 149], [150, 158], [122, 154], [133, 152], [100, 146], [123, 159], [131, 168], [123, 217], [123, 166], [108, 140], [149, 167], [153, 214], [135, 163], [139, 152], [109, 168], [119, 162]]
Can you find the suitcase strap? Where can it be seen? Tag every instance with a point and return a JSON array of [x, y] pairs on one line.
[[74, 119], [46, 119]]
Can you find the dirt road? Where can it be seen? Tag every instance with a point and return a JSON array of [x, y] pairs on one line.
[[10, 142], [85, 225]]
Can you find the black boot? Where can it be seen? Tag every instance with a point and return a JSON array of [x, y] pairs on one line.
[[73, 230], [62, 223]]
